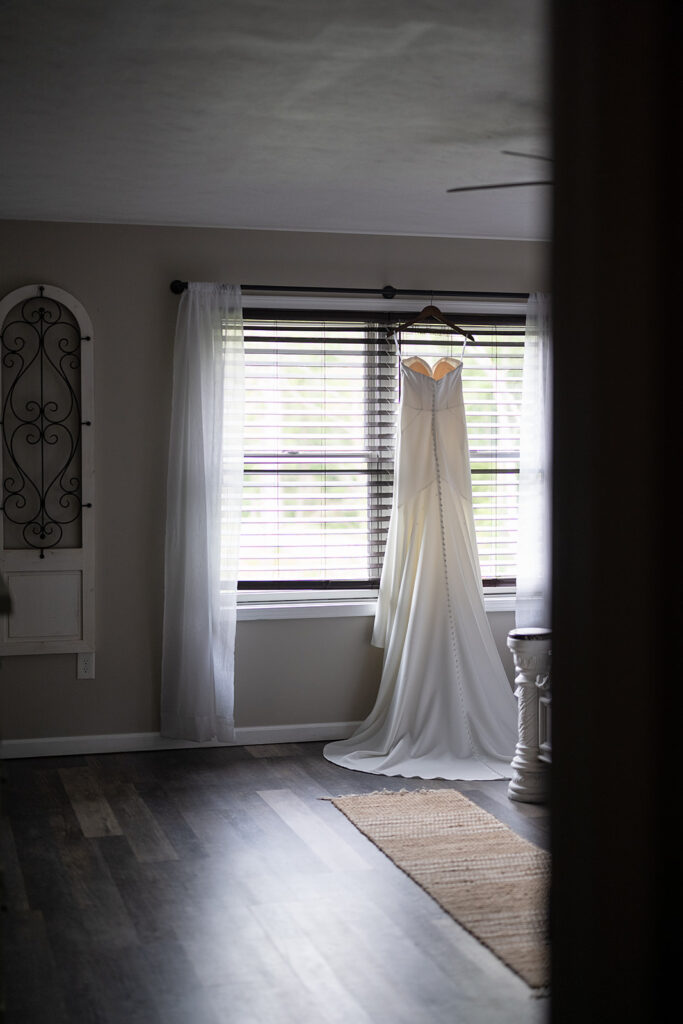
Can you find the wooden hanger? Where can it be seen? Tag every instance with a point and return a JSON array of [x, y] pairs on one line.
[[433, 313]]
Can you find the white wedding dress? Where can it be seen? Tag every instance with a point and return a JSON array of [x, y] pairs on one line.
[[445, 708]]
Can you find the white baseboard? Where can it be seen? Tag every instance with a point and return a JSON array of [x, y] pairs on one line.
[[117, 743]]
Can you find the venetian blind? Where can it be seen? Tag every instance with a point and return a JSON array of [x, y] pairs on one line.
[[320, 404], [321, 400]]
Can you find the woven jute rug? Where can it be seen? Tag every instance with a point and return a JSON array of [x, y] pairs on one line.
[[491, 881]]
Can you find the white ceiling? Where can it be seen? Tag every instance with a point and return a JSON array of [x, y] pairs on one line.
[[332, 115]]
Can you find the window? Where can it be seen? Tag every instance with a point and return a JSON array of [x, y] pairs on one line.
[[321, 402]]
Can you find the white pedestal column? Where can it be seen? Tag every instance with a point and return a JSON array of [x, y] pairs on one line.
[[531, 649]]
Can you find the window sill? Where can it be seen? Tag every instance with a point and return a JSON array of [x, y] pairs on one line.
[[340, 608]]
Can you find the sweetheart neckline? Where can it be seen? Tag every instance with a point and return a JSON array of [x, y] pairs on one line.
[[428, 376]]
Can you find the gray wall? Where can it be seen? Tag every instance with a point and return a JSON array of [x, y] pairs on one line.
[[287, 671]]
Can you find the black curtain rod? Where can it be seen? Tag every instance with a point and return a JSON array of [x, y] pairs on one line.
[[388, 292]]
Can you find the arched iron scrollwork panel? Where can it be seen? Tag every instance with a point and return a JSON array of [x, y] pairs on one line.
[[41, 425]]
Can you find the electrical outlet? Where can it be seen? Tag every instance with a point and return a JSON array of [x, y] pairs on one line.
[[86, 665]]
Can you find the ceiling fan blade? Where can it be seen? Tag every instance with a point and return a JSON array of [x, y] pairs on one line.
[[509, 184], [532, 156]]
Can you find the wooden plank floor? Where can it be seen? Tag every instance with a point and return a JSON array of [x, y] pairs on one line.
[[218, 885]]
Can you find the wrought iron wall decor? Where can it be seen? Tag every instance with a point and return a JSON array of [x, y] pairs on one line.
[[41, 425]]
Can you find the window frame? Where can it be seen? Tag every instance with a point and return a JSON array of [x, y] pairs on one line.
[[282, 599]]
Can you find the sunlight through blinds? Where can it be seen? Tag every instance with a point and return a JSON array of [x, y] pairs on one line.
[[321, 407]]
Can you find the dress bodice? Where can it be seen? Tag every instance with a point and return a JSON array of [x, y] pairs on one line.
[[433, 434], [422, 392]]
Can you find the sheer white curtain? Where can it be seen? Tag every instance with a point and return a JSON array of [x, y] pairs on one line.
[[534, 539], [204, 496]]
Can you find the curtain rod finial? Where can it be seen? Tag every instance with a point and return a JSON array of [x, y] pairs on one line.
[[177, 287]]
